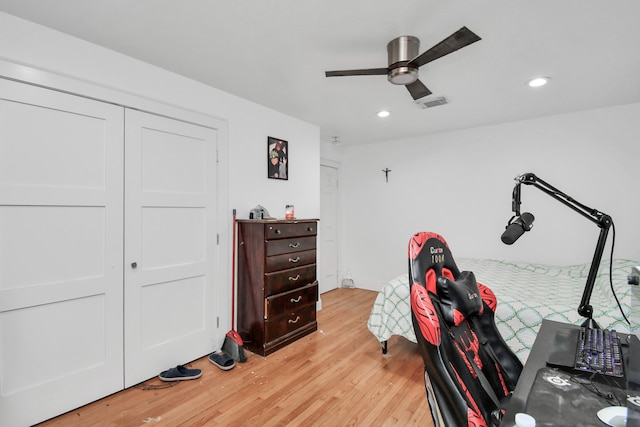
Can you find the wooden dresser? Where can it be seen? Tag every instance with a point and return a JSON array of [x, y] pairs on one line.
[[277, 287]]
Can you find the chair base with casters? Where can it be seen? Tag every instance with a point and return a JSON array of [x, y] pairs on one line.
[[469, 370]]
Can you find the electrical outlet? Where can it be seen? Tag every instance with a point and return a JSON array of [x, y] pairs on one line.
[[348, 283]]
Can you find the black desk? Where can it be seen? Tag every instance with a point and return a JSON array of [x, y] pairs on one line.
[[537, 359]]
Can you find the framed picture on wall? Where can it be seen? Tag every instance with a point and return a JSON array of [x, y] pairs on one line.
[[277, 158]]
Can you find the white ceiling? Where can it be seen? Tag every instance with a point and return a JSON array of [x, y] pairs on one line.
[[275, 52]]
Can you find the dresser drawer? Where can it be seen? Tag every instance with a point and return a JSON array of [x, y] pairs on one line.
[[285, 246], [285, 230], [292, 260], [287, 280], [282, 325], [291, 301]]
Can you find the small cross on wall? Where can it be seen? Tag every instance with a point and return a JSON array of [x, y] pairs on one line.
[[386, 173]]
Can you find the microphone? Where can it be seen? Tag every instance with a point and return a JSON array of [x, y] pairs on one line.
[[516, 228]]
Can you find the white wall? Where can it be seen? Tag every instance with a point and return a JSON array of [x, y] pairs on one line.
[[459, 184], [244, 156]]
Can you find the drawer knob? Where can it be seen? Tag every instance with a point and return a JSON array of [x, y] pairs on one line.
[[296, 320], [296, 259], [309, 228], [294, 245], [293, 279], [294, 300], [278, 231]]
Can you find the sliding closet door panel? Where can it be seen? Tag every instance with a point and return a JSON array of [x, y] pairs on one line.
[[160, 299], [61, 295], [181, 245], [31, 236], [170, 224]]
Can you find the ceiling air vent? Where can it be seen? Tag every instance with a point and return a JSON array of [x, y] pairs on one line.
[[432, 103]]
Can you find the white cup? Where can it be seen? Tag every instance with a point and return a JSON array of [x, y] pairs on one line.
[[525, 420]]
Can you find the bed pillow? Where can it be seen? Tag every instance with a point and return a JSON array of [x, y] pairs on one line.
[[459, 298]]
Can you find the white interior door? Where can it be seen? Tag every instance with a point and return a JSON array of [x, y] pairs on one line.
[[328, 232], [170, 227], [61, 179]]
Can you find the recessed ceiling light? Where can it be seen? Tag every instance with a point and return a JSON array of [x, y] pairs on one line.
[[383, 113], [538, 81]]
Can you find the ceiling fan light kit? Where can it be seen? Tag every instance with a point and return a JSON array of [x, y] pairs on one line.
[[399, 52], [403, 75], [403, 60]]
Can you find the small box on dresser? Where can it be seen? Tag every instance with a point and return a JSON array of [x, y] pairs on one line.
[[277, 287]]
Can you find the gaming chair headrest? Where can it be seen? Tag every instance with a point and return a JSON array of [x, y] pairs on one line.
[[429, 251], [459, 298]]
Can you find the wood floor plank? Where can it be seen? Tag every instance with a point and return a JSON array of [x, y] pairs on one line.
[[336, 376]]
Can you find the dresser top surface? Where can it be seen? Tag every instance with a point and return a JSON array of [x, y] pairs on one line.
[[278, 221]]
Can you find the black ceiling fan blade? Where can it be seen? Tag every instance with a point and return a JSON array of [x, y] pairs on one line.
[[363, 72], [461, 38], [418, 90]]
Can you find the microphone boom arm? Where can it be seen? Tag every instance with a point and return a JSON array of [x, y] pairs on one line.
[[602, 220]]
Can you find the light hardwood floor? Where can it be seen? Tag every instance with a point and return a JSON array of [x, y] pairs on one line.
[[336, 376]]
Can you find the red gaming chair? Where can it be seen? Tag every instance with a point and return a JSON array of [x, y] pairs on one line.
[[469, 370]]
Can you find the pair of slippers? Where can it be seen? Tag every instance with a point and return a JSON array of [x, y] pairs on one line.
[[180, 373]]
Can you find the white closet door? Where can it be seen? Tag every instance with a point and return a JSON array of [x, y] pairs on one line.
[[170, 224], [61, 181]]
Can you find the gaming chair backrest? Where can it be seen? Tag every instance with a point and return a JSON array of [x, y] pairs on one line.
[[429, 251], [447, 306]]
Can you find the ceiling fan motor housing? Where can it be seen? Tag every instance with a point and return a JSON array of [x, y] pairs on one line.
[[400, 51]]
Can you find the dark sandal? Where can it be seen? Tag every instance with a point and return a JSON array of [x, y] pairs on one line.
[[180, 373], [222, 360]]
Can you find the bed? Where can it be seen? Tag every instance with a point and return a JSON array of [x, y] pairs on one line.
[[526, 293]]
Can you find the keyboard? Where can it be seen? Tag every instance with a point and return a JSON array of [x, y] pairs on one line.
[[599, 351]]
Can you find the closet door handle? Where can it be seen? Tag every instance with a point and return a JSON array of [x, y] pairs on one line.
[[134, 265], [296, 320], [296, 259], [293, 279], [295, 300]]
